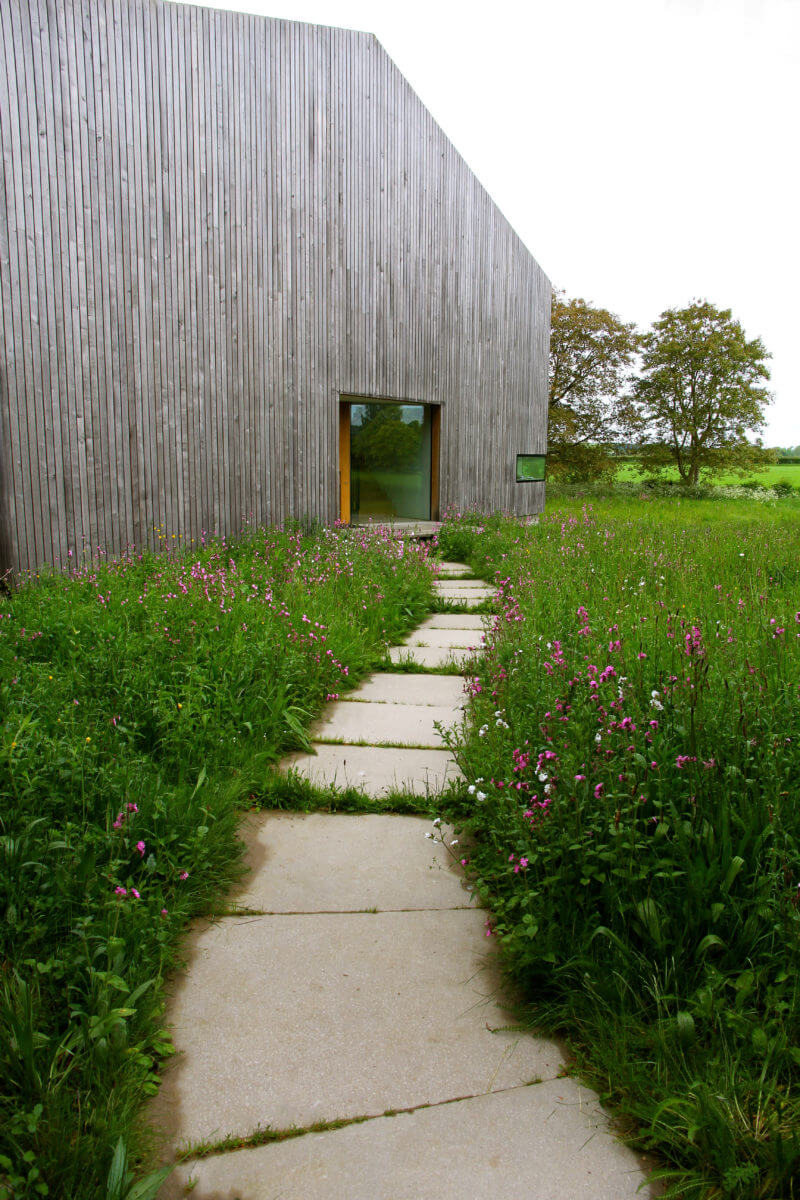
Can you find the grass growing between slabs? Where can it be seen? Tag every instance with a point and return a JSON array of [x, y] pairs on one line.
[[633, 791], [291, 791], [141, 705]]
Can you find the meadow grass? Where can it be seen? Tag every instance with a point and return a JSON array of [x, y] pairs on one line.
[[633, 785], [773, 474], [142, 702]]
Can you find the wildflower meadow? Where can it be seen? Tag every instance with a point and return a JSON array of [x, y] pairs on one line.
[[142, 702], [632, 760]]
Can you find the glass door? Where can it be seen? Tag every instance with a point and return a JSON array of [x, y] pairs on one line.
[[390, 455]]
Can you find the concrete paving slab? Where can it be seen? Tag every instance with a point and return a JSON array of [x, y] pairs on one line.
[[288, 1020], [385, 724], [460, 585], [454, 639], [454, 570], [376, 770], [316, 862], [460, 620], [393, 688], [474, 597], [546, 1142], [429, 656]]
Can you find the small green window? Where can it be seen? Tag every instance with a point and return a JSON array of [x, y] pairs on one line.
[[530, 468]]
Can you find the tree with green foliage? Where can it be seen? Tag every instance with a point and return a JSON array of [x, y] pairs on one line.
[[591, 352], [700, 393]]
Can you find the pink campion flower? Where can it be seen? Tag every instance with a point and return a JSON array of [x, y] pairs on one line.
[[184, 875], [140, 846], [120, 891], [580, 778], [163, 912], [598, 791], [693, 643], [135, 894], [119, 821]]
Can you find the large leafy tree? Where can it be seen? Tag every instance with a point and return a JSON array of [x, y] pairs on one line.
[[701, 392], [591, 352]]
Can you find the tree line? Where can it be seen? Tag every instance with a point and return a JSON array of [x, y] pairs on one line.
[[688, 393]]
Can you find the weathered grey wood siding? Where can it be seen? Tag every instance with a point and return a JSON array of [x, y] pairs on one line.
[[211, 225]]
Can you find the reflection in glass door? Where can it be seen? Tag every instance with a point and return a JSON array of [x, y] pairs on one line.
[[390, 462]]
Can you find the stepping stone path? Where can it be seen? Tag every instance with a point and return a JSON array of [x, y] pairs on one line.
[[357, 992]]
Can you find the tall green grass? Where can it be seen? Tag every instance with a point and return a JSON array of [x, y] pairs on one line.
[[633, 788], [141, 703]]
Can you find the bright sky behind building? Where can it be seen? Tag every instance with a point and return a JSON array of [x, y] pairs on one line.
[[646, 151]]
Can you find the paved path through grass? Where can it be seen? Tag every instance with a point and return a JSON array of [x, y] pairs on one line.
[[358, 995]]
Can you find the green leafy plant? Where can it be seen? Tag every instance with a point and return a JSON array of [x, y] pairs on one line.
[[631, 766], [143, 703]]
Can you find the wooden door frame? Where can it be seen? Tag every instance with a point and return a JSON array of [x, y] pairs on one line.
[[344, 452], [344, 462], [436, 423]]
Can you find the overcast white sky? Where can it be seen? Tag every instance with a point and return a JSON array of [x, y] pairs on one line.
[[646, 151]]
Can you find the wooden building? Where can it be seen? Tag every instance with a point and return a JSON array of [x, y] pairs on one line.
[[244, 276]]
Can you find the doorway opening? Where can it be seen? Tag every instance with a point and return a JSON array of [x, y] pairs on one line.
[[388, 461]]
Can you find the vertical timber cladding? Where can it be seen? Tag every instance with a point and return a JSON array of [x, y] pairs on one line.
[[212, 225]]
